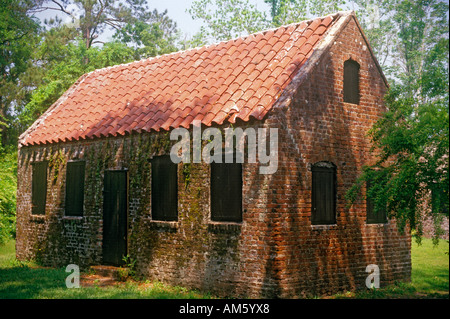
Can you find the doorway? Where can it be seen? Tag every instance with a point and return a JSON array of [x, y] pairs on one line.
[[115, 204]]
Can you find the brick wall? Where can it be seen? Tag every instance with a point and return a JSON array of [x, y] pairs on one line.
[[319, 126], [275, 251]]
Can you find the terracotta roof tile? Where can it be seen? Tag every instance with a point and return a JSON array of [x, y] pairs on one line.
[[248, 93], [307, 33], [269, 33], [272, 40], [236, 79], [321, 30], [257, 112], [314, 24], [327, 21]]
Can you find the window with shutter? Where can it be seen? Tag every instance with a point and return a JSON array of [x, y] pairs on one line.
[[75, 188], [38, 188], [374, 216], [164, 189], [226, 192], [351, 82], [323, 194]]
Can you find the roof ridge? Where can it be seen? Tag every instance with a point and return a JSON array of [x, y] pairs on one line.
[[180, 52], [309, 21]]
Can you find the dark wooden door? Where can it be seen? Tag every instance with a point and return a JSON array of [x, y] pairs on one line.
[[115, 217]]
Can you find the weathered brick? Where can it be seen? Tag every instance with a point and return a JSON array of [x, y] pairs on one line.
[[275, 251]]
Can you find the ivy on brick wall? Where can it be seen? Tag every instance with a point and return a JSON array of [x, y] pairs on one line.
[[56, 160]]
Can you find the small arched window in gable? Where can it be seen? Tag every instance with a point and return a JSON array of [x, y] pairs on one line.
[[351, 82]]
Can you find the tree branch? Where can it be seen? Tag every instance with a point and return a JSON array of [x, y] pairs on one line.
[[111, 24], [61, 8], [97, 41]]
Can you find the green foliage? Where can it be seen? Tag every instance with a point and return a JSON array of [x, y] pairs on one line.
[[16, 29], [226, 19], [149, 39], [376, 19], [8, 188], [91, 18], [412, 171], [130, 268], [290, 11], [402, 33], [75, 60], [187, 174], [17, 39], [411, 175], [56, 160]]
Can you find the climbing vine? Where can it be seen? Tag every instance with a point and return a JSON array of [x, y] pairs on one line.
[[56, 160], [186, 174]]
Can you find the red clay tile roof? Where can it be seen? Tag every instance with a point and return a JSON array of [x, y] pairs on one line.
[[240, 78]]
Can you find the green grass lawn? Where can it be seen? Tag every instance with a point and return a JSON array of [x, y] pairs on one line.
[[23, 280], [430, 277], [430, 268]]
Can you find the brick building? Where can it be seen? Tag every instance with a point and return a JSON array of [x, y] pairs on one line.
[[95, 182]]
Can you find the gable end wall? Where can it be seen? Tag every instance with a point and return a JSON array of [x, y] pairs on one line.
[[318, 126]]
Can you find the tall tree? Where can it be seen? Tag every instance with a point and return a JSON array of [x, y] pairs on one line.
[[376, 18], [155, 37], [18, 35], [93, 17], [226, 19], [8, 189], [289, 11]]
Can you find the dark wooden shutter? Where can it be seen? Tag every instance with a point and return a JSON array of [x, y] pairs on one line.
[[115, 205], [226, 192], [323, 195], [164, 189], [75, 188], [351, 82], [372, 215], [39, 188]]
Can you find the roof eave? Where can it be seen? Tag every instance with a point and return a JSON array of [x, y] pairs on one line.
[[41, 119]]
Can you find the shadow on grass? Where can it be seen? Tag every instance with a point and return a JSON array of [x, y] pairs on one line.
[[437, 281], [24, 282]]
